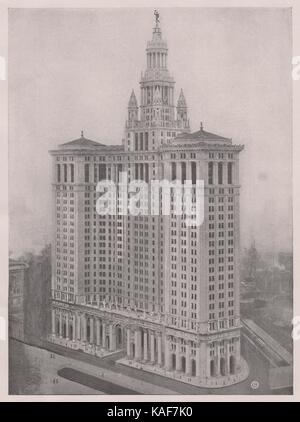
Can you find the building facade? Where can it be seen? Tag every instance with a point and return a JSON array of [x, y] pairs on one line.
[[17, 280], [164, 292]]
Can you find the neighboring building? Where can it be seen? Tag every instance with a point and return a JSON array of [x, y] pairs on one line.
[[286, 259], [17, 279], [166, 293], [37, 301]]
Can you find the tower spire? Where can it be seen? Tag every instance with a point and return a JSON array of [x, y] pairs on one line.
[[182, 116], [132, 100], [181, 103], [133, 109]]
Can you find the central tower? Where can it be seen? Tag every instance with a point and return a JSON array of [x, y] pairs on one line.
[[158, 114]]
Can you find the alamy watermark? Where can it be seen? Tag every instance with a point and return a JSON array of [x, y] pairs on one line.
[[156, 198]]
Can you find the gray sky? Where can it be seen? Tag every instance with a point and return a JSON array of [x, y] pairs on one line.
[[73, 69]]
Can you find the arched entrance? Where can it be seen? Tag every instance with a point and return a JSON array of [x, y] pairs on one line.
[[222, 366], [71, 331], [132, 348], [193, 367], [119, 337], [64, 329], [232, 364], [57, 326], [212, 368], [88, 330], [173, 361], [183, 364]]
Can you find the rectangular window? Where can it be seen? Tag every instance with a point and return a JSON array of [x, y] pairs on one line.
[[65, 173], [119, 170], [210, 173], [229, 173], [102, 172], [194, 174], [173, 171], [136, 171], [146, 173], [141, 141], [220, 173], [142, 171], [136, 138], [86, 173], [58, 172], [72, 173], [183, 172], [146, 141]]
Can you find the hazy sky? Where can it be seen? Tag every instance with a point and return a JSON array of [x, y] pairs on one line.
[[73, 69]]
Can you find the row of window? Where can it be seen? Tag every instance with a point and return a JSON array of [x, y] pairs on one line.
[[220, 173], [63, 175]]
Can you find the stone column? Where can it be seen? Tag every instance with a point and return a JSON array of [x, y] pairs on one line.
[[128, 343], [178, 171], [98, 341], [188, 171], [227, 354], [198, 361], [138, 344], [207, 360], [199, 175], [53, 328], [217, 360], [84, 328], [178, 359], [103, 335], [152, 348], [201, 365], [60, 324], [215, 175], [237, 343], [168, 362], [112, 338], [159, 351], [74, 327], [78, 327], [188, 363], [145, 345], [235, 172], [67, 326], [91, 330]]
